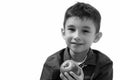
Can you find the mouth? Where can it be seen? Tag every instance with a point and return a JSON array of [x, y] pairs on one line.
[[76, 43]]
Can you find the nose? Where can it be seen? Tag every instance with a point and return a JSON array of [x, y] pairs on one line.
[[77, 36]]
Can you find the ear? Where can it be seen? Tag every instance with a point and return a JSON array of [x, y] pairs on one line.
[[97, 37], [63, 32]]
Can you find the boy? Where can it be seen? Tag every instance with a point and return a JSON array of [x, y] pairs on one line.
[[81, 29]]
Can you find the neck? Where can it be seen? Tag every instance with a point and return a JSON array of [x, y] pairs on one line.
[[78, 57]]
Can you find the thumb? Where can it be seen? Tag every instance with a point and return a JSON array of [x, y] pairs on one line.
[[81, 72]]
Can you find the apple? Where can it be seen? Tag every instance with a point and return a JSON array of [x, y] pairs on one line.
[[70, 65]]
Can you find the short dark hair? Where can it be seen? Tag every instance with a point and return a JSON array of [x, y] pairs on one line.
[[84, 10]]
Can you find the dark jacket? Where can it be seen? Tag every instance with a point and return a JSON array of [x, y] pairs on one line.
[[96, 67]]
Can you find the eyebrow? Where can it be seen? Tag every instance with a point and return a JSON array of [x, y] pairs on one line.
[[86, 27], [70, 26]]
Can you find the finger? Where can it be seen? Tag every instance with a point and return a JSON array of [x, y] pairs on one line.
[[74, 75], [63, 77], [82, 73], [77, 77], [68, 76]]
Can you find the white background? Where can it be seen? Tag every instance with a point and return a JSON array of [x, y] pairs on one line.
[[30, 31]]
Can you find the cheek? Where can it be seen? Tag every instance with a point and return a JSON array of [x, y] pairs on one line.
[[68, 39], [89, 39]]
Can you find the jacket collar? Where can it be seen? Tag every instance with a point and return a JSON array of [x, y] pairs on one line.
[[91, 58]]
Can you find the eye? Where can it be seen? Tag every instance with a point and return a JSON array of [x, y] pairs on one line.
[[85, 31], [71, 29]]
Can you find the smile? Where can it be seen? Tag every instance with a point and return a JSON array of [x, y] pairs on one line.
[[76, 43]]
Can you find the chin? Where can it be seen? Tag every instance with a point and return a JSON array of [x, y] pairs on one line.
[[70, 65], [78, 50]]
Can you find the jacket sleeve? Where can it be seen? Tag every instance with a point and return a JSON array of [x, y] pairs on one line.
[[46, 72], [106, 72]]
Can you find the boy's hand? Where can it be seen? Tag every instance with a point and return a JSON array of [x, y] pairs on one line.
[[72, 76]]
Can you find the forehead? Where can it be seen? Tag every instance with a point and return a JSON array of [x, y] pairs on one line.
[[77, 22]]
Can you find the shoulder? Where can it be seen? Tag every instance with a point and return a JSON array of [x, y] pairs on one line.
[[54, 59], [102, 58], [104, 67]]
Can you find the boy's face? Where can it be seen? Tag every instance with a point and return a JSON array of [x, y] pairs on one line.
[[79, 34]]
